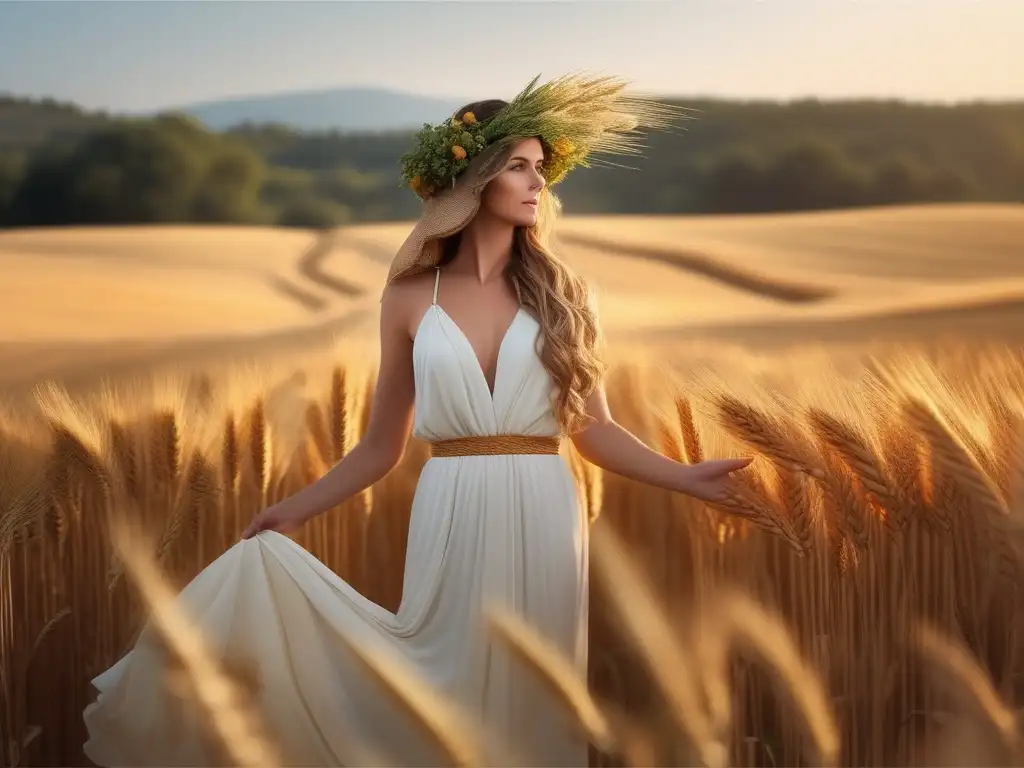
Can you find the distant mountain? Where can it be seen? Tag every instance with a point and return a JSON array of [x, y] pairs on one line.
[[344, 109]]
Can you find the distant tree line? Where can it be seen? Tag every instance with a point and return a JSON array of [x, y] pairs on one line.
[[60, 165]]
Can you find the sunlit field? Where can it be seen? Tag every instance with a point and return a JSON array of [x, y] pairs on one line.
[[860, 604]]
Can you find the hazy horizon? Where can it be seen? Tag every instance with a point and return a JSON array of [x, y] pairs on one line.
[[146, 56]]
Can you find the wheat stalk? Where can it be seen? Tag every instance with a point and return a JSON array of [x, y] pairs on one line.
[[740, 620], [548, 665], [339, 410], [450, 731], [688, 428], [953, 459], [671, 446], [863, 463], [22, 494], [319, 437], [974, 691], [764, 434], [850, 510]]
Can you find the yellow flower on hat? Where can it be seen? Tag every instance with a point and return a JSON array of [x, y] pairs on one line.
[[422, 190], [469, 119], [562, 147], [458, 152]]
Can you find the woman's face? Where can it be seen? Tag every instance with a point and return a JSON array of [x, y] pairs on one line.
[[513, 195]]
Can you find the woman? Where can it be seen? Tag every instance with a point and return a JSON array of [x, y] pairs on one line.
[[488, 352]]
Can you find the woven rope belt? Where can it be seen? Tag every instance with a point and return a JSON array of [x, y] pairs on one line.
[[495, 445]]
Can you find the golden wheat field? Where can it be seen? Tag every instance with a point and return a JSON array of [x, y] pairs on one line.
[[859, 604]]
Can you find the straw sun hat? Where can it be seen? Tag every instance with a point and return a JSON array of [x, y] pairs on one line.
[[574, 116]]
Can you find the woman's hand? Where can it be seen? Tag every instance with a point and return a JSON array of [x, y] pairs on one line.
[[710, 480], [280, 517]]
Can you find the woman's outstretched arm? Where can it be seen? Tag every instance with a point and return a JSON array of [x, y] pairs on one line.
[[387, 433], [611, 447]]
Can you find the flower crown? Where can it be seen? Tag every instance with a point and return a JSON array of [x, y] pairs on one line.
[[574, 116]]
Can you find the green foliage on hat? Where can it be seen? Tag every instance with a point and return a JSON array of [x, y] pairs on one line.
[[575, 116]]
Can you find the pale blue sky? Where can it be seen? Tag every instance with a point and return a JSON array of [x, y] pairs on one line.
[[144, 54]]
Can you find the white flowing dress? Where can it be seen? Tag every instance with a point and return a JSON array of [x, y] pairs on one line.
[[484, 531]]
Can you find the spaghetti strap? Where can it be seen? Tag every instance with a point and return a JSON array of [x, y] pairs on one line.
[[437, 280]]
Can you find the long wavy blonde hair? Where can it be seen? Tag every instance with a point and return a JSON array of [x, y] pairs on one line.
[[560, 300]]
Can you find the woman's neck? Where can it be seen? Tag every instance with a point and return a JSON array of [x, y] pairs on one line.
[[485, 248]]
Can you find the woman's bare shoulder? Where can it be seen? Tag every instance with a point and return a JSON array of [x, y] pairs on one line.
[[407, 298], [412, 289]]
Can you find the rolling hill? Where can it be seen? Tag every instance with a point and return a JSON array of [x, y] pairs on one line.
[[84, 302]]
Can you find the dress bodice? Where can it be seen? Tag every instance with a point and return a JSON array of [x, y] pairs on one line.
[[452, 395]]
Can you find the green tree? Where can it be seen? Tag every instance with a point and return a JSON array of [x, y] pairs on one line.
[[164, 170], [736, 184], [42, 196], [230, 187], [814, 175], [282, 186], [12, 171]]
